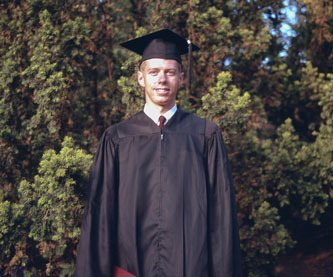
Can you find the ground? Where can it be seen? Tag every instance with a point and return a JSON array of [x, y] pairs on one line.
[[313, 254], [302, 265]]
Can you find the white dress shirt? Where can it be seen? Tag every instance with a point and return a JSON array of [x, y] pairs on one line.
[[154, 114]]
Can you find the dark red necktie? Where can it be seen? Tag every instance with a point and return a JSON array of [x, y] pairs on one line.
[[162, 121]]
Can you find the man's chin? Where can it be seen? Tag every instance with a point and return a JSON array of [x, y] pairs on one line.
[[163, 101]]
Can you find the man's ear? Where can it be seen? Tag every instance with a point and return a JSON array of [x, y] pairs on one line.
[[141, 79], [181, 79]]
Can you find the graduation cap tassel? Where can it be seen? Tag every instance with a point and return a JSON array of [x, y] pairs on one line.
[[189, 66]]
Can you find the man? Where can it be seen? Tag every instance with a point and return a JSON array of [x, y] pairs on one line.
[[161, 199]]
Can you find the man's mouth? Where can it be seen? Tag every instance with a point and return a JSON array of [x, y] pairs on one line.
[[162, 90]]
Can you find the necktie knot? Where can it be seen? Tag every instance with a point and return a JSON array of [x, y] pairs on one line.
[[162, 120]]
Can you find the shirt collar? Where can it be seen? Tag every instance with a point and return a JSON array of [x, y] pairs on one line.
[[154, 114]]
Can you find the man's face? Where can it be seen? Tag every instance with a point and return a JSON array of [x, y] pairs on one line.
[[161, 79]]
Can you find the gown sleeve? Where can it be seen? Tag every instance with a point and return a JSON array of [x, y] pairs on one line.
[[97, 248], [223, 236]]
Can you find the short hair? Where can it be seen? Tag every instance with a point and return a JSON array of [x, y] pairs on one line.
[[143, 66]]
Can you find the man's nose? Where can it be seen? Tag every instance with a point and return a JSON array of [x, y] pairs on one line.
[[162, 77]]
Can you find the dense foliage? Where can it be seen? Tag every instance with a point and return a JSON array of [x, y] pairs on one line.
[[64, 79]]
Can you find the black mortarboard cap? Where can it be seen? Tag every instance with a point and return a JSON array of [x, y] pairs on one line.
[[164, 44]]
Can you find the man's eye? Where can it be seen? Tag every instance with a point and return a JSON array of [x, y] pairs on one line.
[[153, 72], [171, 73]]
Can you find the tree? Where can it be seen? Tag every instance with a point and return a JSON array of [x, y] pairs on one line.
[[63, 74], [54, 203]]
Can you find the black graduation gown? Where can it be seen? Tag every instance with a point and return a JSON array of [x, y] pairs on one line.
[[160, 203]]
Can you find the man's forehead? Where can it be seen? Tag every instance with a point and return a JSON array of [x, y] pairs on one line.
[[161, 63]]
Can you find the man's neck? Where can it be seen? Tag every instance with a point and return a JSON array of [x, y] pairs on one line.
[[161, 109], [154, 113]]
